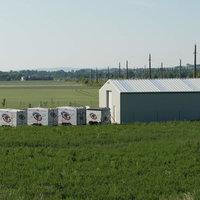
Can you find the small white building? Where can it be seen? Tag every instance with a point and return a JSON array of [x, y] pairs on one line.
[[151, 100]]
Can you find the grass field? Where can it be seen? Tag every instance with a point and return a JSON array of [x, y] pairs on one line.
[[140, 161], [47, 94]]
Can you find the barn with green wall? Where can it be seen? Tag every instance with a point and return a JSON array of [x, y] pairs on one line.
[[151, 100]]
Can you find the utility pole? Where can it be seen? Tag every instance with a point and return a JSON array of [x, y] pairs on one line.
[[149, 66], [108, 73], [161, 70], [127, 69], [195, 61], [96, 75], [119, 75], [145, 72], [180, 68], [115, 73]]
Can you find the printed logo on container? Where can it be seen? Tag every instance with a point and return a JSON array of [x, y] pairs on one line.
[[37, 116], [6, 118], [65, 115], [93, 116]]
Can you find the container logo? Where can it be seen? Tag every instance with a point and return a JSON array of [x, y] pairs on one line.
[[65, 115], [21, 117], [37, 116], [93, 116], [6, 118]]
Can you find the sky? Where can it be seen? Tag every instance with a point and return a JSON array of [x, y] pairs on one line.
[[97, 33]]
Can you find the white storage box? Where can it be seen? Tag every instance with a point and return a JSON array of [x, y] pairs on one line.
[[13, 117], [42, 116], [71, 115], [98, 116]]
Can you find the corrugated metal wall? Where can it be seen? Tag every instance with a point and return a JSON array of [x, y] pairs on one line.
[[159, 107]]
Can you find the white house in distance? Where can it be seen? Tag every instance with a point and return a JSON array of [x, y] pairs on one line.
[[151, 100]]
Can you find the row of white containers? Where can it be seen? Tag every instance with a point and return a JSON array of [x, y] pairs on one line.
[[54, 117]]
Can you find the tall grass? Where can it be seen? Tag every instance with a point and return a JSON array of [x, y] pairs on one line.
[[139, 161]]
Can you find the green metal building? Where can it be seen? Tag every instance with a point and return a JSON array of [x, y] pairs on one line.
[[151, 100]]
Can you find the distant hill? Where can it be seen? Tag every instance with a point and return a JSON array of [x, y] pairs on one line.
[[66, 69]]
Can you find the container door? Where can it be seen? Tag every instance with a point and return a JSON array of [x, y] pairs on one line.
[[82, 117], [53, 117], [21, 118]]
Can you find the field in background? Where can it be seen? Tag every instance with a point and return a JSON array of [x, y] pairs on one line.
[[47, 94], [139, 161]]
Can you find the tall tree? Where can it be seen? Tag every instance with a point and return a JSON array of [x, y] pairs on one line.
[[91, 74]]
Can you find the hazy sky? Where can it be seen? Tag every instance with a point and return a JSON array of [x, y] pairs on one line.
[[97, 33]]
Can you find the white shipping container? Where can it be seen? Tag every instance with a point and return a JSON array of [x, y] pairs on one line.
[[98, 116], [42, 116], [13, 117], [71, 115]]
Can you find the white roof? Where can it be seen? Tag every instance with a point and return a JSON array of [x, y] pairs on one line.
[[69, 107], [156, 85], [10, 110], [39, 108]]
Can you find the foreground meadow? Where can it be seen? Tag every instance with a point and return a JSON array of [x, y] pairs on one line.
[[139, 161], [21, 95]]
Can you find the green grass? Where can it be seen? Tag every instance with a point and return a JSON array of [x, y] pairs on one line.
[[139, 161], [47, 94]]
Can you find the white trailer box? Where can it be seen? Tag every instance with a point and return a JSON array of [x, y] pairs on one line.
[[42, 116], [71, 115], [13, 117], [98, 116]]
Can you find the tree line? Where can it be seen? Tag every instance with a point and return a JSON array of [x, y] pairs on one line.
[[98, 75]]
